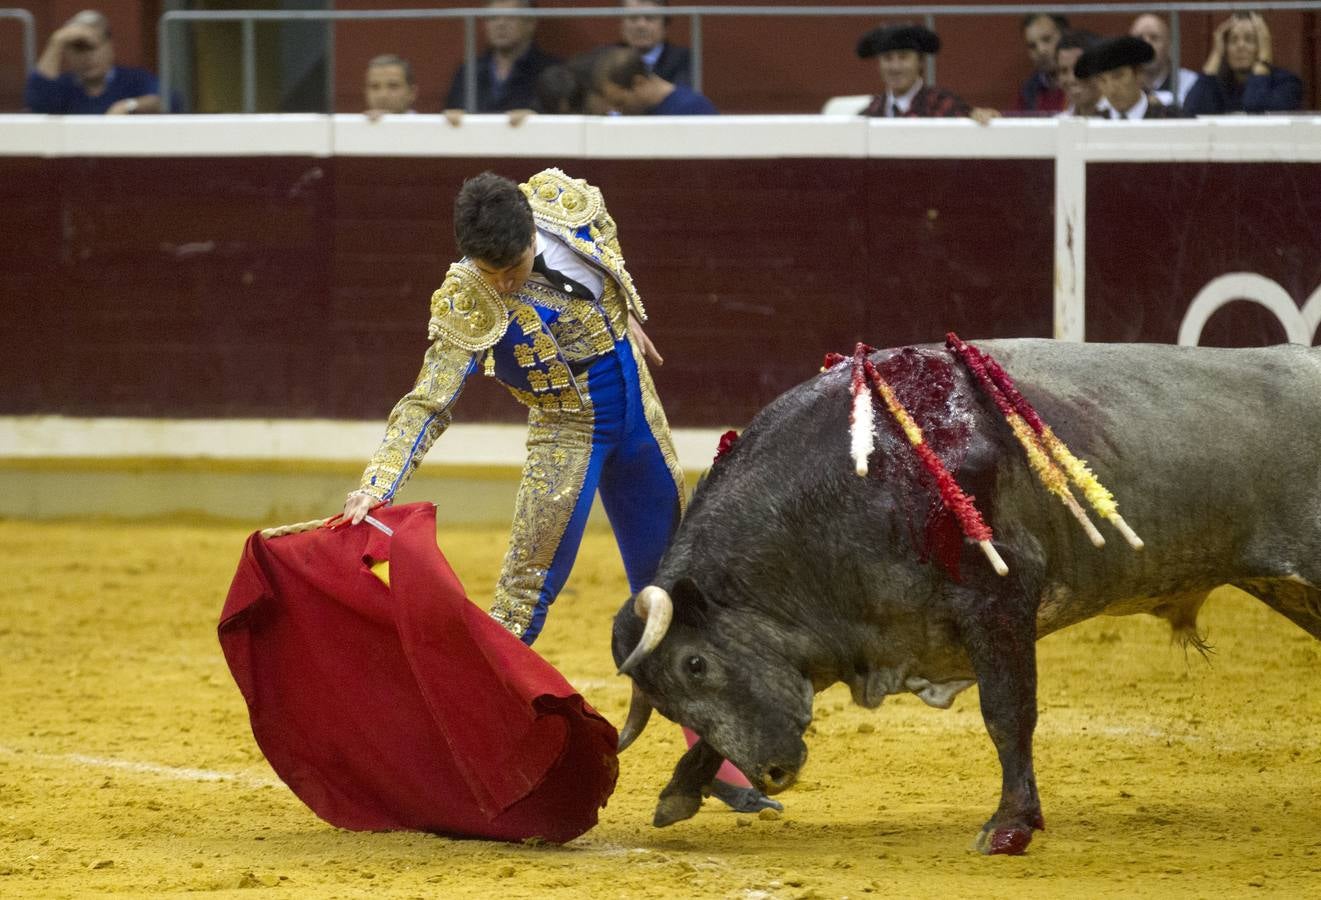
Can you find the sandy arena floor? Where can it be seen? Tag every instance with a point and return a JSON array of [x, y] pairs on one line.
[[127, 765]]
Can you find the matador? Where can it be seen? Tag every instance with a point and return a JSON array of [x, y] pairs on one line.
[[542, 302]]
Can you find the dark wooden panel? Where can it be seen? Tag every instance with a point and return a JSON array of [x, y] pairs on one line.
[[279, 288], [1157, 233]]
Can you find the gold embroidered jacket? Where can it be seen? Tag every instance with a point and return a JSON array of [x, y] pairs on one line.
[[532, 340]]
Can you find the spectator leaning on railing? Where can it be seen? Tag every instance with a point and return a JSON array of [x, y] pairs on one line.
[[1116, 64], [76, 74], [390, 88], [624, 82], [1239, 75]]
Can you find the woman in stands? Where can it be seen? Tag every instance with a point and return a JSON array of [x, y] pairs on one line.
[[1239, 76]]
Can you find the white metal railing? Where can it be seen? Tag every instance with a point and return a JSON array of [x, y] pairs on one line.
[[29, 35], [695, 15]]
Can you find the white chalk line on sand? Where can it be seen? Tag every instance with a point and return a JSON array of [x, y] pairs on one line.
[[177, 773]]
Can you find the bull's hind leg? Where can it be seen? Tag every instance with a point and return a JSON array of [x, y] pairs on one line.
[[1296, 599], [1000, 639]]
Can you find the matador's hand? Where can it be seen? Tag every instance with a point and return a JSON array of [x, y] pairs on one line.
[[357, 505], [644, 343]]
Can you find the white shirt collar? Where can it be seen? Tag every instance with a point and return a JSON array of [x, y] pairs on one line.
[[562, 258], [652, 56], [1135, 112], [904, 100]]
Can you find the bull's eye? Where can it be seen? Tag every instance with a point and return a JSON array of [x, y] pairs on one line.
[[696, 665]]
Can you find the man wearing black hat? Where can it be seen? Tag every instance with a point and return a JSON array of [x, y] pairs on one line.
[[903, 50], [1116, 64]]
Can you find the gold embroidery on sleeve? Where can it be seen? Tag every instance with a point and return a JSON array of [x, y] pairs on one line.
[[418, 419]]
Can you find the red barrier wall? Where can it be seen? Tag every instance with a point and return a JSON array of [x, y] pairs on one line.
[[297, 287]]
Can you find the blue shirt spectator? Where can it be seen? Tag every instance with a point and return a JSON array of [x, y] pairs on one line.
[[76, 74], [682, 101], [66, 95], [1279, 90]]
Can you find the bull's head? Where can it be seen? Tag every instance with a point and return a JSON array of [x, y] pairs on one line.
[[707, 668]]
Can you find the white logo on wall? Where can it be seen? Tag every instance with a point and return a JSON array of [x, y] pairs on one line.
[[1299, 324]]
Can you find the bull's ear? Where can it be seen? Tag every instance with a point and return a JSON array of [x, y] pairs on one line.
[[690, 606]]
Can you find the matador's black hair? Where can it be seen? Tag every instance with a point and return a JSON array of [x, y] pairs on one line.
[[492, 220]]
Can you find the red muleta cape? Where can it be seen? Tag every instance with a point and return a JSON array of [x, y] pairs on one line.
[[406, 706]]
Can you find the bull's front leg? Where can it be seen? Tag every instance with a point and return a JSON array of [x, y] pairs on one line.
[[1000, 639], [682, 797]]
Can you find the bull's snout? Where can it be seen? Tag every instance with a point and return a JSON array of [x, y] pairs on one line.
[[778, 778]]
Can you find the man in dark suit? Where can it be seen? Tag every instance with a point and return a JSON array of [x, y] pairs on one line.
[[647, 35], [1116, 64], [507, 72], [902, 50], [1041, 35]]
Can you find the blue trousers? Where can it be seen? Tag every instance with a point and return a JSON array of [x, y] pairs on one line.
[[620, 445]]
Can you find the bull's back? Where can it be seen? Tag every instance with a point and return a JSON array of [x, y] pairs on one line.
[[1211, 453]]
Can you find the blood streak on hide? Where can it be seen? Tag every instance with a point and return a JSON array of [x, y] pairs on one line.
[[924, 383]]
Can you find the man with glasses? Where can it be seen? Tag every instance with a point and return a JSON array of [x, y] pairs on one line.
[[76, 74]]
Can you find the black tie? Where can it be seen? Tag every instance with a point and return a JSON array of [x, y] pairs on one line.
[[559, 280], [895, 111]]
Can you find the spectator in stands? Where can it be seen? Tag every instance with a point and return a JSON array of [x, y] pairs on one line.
[[559, 91], [1083, 93], [1239, 75], [647, 35], [567, 89], [1040, 93], [629, 88], [507, 72], [902, 50], [1167, 81], [390, 88], [76, 74], [1116, 64]]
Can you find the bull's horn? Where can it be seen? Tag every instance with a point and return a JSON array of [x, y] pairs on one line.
[[653, 606], [639, 711]]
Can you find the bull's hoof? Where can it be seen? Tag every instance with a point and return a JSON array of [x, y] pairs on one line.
[[1010, 840], [743, 799], [675, 808]]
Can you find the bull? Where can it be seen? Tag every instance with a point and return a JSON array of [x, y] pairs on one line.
[[790, 573]]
